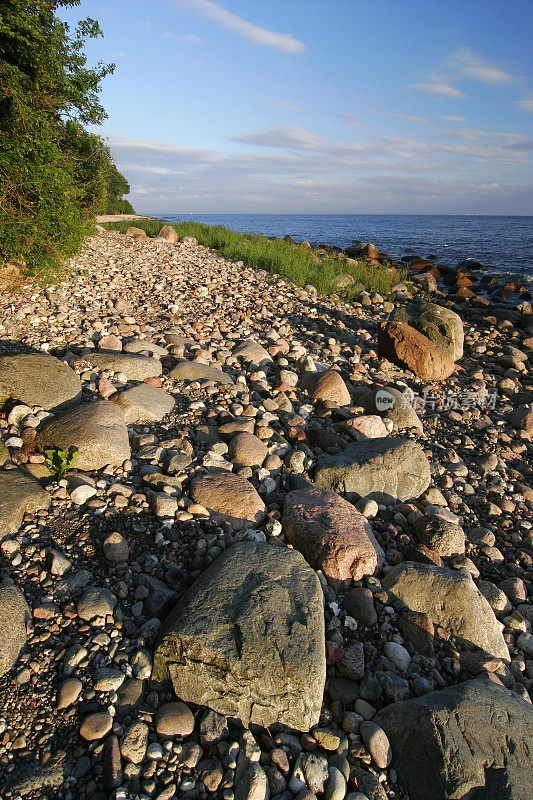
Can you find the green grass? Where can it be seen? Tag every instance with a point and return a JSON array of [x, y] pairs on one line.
[[293, 263]]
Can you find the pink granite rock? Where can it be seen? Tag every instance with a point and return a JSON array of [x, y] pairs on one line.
[[367, 427], [326, 386], [331, 535]]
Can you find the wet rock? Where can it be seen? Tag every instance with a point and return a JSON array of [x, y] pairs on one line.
[[229, 498], [38, 380], [19, 494], [247, 639], [332, 535]]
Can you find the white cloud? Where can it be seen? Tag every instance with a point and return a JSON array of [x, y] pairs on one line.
[[438, 88], [286, 136], [453, 118], [185, 38], [525, 105], [410, 118], [215, 13], [471, 66]]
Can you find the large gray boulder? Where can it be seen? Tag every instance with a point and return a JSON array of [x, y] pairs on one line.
[[451, 600], [97, 430], [442, 326], [195, 371], [19, 494], [383, 469], [474, 740], [144, 403], [37, 379], [247, 638], [14, 614]]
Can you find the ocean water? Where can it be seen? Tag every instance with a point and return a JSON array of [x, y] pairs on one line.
[[502, 244]]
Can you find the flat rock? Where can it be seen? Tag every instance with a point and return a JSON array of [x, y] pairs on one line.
[[470, 740], [408, 348], [133, 366], [19, 494], [439, 324], [14, 613], [331, 535], [144, 403], [229, 498], [96, 430], [247, 638], [144, 346], [451, 600], [249, 350], [195, 371], [382, 469], [326, 386], [37, 379]]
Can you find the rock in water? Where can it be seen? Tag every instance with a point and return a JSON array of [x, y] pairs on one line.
[[247, 638], [19, 494], [96, 430], [450, 599], [229, 498], [441, 325], [382, 469], [331, 535], [474, 736], [38, 380], [408, 348], [14, 613]]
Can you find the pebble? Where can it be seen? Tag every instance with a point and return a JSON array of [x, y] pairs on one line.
[[377, 744], [96, 726]]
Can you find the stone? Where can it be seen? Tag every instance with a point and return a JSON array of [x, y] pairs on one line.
[[138, 234], [352, 663], [359, 604], [144, 346], [382, 469], [133, 366], [110, 342], [441, 536], [37, 379], [248, 449], [440, 325], [82, 493], [14, 615], [134, 742], [96, 602], [96, 726], [19, 494], [116, 548], [331, 535], [419, 630], [315, 770], [249, 350], [247, 639], [144, 403], [473, 739], [521, 418], [169, 233], [396, 406], [96, 430], [336, 785], [377, 743], [253, 784], [399, 656], [68, 692], [112, 766], [326, 386], [229, 498], [451, 600], [195, 371], [407, 348], [366, 427], [174, 719]]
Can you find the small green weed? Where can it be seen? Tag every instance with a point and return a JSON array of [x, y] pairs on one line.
[[58, 461]]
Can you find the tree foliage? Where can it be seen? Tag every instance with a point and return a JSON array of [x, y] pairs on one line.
[[54, 174]]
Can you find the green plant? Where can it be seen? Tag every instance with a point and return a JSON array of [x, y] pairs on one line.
[[59, 461]]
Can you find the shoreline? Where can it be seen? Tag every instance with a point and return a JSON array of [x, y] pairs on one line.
[[247, 389]]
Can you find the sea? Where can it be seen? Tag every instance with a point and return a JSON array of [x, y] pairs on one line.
[[503, 244]]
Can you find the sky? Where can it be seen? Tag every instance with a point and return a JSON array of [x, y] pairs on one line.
[[318, 106]]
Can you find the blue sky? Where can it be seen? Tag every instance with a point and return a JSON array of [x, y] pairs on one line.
[[319, 106]]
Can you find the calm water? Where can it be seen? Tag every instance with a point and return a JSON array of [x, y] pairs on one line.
[[502, 244]]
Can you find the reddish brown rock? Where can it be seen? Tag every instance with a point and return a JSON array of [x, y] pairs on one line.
[[331, 535], [229, 498], [169, 233], [248, 449], [408, 348], [326, 386]]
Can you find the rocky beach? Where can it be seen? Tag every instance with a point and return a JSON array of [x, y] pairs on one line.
[[262, 544]]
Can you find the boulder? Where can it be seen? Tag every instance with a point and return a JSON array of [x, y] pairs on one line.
[[443, 537], [247, 639], [230, 498], [38, 380], [133, 366], [331, 535], [194, 371], [441, 325], [382, 469], [144, 403], [19, 494], [326, 386], [14, 614], [465, 741], [408, 348], [168, 233], [451, 600], [249, 350], [96, 430], [138, 234]]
